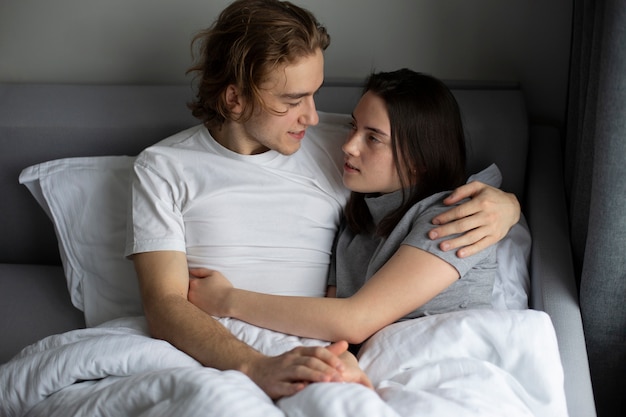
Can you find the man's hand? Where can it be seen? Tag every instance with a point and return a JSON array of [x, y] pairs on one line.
[[289, 373], [483, 220]]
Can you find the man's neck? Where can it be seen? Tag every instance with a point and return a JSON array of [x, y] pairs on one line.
[[232, 136]]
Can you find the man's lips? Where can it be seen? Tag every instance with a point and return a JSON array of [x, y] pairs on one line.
[[298, 135]]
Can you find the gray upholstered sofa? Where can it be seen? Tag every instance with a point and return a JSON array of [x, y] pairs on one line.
[[45, 122]]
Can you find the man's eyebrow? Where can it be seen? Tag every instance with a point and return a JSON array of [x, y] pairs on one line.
[[372, 129], [294, 96]]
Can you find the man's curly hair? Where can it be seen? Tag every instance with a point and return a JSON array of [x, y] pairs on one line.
[[249, 39]]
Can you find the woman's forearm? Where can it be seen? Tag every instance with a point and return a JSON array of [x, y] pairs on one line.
[[407, 281], [321, 318]]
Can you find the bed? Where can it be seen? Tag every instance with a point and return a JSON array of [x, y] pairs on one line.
[[73, 338]]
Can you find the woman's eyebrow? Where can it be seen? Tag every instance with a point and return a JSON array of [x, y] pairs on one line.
[[372, 129]]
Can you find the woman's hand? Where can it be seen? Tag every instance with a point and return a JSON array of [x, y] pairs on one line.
[[351, 371], [484, 220], [208, 290]]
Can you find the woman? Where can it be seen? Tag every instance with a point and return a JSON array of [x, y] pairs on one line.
[[405, 151]]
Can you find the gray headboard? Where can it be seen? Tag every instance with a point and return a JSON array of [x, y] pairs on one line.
[[44, 122]]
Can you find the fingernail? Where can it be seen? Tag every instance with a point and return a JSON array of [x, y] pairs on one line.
[[432, 234], [445, 246]]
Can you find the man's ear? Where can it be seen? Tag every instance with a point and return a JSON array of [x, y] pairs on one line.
[[234, 100]]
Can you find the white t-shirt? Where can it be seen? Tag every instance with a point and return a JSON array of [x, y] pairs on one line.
[[266, 221]]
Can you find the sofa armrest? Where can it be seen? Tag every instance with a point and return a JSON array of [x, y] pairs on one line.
[[553, 286]]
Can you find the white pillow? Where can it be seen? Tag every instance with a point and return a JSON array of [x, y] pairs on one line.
[[512, 284], [86, 198]]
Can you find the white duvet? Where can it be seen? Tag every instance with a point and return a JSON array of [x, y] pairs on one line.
[[470, 363]]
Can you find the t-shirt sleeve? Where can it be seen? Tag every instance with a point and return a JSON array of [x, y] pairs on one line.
[[155, 221], [418, 238]]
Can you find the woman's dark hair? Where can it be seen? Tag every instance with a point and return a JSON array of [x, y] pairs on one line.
[[427, 140], [249, 39]]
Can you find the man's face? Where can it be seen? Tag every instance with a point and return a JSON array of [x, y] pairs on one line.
[[289, 92]]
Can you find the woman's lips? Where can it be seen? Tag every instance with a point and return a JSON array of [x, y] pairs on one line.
[[347, 166]]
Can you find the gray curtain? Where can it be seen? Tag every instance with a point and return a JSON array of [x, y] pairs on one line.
[[595, 155]]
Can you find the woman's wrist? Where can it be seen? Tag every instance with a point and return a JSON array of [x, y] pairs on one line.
[[227, 305]]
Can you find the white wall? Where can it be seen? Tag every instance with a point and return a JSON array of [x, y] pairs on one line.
[[147, 41]]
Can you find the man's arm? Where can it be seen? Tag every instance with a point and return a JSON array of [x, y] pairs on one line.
[[483, 220], [164, 282]]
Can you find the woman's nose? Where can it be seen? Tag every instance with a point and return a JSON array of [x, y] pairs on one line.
[[350, 146]]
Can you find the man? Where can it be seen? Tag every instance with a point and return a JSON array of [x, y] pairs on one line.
[[253, 193]]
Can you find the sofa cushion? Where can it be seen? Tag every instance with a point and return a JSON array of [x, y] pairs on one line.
[[35, 304]]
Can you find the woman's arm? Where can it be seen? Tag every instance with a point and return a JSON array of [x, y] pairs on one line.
[[484, 220], [410, 279]]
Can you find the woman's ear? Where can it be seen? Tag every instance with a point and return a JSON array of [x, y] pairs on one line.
[[234, 100]]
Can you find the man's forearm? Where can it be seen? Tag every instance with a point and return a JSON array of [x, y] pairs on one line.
[[188, 328], [164, 282]]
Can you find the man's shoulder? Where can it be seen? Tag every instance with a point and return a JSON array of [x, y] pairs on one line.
[[190, 138], [184, 137]]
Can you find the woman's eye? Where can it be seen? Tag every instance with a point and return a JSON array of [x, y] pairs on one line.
[[296, 104], [374, 139]]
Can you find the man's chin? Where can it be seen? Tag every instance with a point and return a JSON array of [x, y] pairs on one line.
[[288, 150]]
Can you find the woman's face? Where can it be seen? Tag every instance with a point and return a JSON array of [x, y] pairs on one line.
[[368, 161]]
